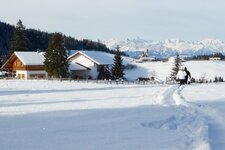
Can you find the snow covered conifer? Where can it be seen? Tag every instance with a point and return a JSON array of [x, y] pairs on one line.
[[176, 67], [117, 68], [56, 63]]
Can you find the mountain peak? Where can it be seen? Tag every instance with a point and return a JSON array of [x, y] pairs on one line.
[[168, 47]]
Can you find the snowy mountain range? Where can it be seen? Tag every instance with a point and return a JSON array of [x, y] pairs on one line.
[[167, 48]]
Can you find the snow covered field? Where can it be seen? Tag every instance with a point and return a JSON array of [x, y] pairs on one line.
[[53, 115], [198, 69]]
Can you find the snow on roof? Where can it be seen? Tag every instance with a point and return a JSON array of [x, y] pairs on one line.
[[75, 66], [100, 58], [31, 58]]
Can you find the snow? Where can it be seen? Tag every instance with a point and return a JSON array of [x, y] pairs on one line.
[[167, 48], [209, 99], [198, 69], [96, 56], [31, 58], [88, 115], [41, 114]]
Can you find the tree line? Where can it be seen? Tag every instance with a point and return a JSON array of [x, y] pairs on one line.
[[207, 57], [39, 40]]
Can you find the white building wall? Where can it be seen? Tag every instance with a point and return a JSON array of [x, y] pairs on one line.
[[28, 73], [93, 72], [83, 60], [36, 72], [20, 72], [215, 58], [87, 63], [171, 59]]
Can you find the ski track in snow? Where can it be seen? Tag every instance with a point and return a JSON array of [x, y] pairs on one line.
[[192, 119]]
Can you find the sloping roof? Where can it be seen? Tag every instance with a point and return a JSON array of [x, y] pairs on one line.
[[31, 58], [101, 58], [27, 58]]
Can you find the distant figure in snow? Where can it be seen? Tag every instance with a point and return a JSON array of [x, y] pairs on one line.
[[188, 76], [181, 76]]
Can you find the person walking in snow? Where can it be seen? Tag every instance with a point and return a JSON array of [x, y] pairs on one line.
[[188, 76], [181, 75]]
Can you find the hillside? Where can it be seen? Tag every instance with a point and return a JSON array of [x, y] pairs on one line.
[[167, 48], [39, 40], [198, 69]]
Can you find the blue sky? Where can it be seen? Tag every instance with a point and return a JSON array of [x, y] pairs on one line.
[[107, 19]]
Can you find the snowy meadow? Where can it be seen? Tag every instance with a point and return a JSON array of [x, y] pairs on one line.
[[79, 115]]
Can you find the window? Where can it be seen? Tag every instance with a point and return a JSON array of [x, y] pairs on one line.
[[37, 76], [18, 63]]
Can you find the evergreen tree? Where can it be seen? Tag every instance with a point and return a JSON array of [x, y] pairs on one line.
[[56, 63], [216, 79], [117, 68], [176, 67], [19, 40]]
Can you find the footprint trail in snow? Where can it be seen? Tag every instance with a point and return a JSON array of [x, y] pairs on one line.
[[189, 119]]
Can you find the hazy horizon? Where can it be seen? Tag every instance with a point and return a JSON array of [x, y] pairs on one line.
[[104, 20]]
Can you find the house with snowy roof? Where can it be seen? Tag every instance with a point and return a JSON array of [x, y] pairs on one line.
[[90, 64], [215, 58], [145, 57], [26, 65]]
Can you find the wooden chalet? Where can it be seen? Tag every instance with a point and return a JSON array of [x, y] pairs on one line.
[[26, 65]]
